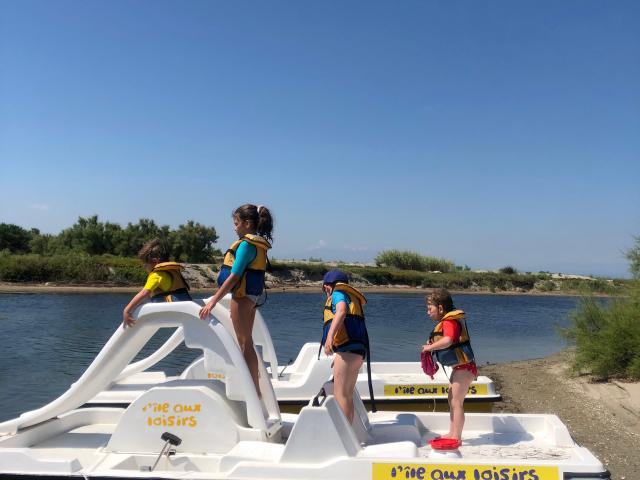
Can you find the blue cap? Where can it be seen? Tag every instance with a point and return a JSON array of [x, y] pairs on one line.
[[333, 276]]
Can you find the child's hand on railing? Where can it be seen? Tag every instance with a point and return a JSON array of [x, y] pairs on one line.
[[206, 310]]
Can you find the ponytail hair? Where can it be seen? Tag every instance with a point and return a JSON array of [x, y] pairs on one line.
[[259, 216]]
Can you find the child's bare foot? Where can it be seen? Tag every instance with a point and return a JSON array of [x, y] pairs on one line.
[[438, 437]]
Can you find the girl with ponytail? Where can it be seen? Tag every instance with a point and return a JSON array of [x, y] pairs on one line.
[[242, 273]]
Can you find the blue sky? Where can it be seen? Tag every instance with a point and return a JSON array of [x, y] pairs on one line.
[[489, 133]]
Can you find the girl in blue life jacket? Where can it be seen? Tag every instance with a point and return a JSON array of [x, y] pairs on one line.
[[345, 335], [242, 274]]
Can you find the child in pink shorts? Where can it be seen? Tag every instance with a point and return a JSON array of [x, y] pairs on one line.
[[449, 340]]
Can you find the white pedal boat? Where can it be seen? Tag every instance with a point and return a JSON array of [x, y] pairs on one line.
[[396, 385], [221, 429]]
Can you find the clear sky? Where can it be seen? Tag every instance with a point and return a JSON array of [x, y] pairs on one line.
[[489, 133]]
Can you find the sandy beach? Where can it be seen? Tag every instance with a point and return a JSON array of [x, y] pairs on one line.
[[7, 287], [604, 417]]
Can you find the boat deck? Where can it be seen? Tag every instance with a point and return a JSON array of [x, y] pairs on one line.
[[506, 440], [77, 442]]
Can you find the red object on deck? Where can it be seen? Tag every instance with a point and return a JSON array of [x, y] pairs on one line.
[[444, 443]]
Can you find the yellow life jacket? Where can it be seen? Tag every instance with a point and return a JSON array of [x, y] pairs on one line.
[[459, 352], [252, 281], [353, 330], [352, 334], [179, 289]]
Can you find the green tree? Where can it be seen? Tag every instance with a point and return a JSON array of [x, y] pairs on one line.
[[133, 236], [193, 242], [633, 255], [14, 238], [89, 235], [43, 244]]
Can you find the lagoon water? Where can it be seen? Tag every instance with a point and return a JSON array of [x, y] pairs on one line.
[[48, 340]]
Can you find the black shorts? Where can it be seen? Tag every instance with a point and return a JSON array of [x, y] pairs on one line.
[[358, 349]]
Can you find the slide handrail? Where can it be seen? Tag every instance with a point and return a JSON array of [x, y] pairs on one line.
[[261, 337]]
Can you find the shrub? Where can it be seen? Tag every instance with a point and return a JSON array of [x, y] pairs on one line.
[[377, 276], [633, 255], [310, 269], [607, 336], [586, 286], [71, 268], [405, 260], [490, 281], [546, 285]]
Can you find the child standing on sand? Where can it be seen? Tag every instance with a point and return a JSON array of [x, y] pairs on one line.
[[242, 274], [449, 340], [165, 282]]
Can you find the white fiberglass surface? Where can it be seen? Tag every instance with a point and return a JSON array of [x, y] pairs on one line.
[[87, 437]]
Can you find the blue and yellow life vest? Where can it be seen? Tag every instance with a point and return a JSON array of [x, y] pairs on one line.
[[353, 331], [252, 281], [457, 353], [179, 289]]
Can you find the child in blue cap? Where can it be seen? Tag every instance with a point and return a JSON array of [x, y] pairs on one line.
[[345, 335]]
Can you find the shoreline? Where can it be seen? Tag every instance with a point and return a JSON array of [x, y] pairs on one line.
[[603, 417], [6, 287]]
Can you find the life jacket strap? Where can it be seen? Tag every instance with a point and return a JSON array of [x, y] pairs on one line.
[[171, 292], [459, 344]]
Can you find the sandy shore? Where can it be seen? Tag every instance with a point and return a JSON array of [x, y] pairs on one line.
[[6, 287], [604, 417]]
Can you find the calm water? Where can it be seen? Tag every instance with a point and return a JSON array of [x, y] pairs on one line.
[[48, 340]]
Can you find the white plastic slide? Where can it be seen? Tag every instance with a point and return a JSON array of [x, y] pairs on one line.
[[167, 347], [124, 345]]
